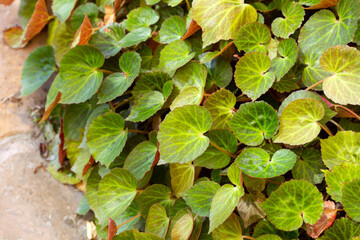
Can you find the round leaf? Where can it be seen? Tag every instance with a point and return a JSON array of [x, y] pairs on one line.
[[175, 55], [157, 221], [183, 227], [172, 29], [106, 137], [256, 162], [254, 122], [252, 75], [351, 199], [80, 75], [181, 134], [303, 203], [229, 230], [140, 17], [299, 122], [253, 37]]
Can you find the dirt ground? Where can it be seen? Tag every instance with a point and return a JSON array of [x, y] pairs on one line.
[[32, 206]]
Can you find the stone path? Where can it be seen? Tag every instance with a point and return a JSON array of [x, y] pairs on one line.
[[32, 206]]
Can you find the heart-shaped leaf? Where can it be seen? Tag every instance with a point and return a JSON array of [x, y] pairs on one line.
[[183, 227], [181, 134], [230, 229], [172, 29], [106, 137], [253, 37], [214, 15], [343, 228], [252, 74], [182, 177], [351, 199], [343, 63], [80, 75], [249, 208], [116, 192], [219, 72], [342, 148], [299, 122], [309, 166], [254, 122], [264, 227], [303, 203], [140, 17], [256, 162], [146, 106], [157, 221]]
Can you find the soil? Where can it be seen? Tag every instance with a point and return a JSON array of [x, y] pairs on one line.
[[32, 206]]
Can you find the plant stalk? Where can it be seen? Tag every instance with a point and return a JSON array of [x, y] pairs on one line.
[[223, 150]]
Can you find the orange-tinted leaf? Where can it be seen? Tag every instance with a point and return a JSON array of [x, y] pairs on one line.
[[118, 4], [110, 15], [62, 151], [12, 36], [193, 28], [157, 157], [325, 221], [84, 33], [51, 107], [6, 2], [324, 4], [88, 165], [37, 21], [112, 229]]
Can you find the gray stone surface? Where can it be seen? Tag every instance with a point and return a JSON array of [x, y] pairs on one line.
[[32, 206]]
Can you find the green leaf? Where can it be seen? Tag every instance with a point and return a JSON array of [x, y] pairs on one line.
[[151, 2], [219, 72], [182, 177], [299, 122], [221, 19], [181, 134], [175, 55], [200, 196], [78, 157], [63, 38], [183, 228], [146, 106], [213, 158], [302, 94], [38, 68], [75, 117], [80, 75], [254, 122], [313, 73], [90, 9], [343, 148], [223, 204], [145, 236], [172, 29], [309, 166], [190, 96], [172, 3], [155, 193], [116, 84], [106, 137], [253, 37], [343, 63], [116, 192], [63, 177], [220, 105], [290, 81], [351, 199], [107, 39], [229, 230], [135, 37], [324, 27], [252, 75], [130, 213], [157, 221], [339, 176], [140, 159], [288, 52], [140, 17], [268, 237], [62, 9], [264, 227], [294, 15], [234, 174], [303, 203], [256, 162], [342, 228], [92, 186], [250, 210]]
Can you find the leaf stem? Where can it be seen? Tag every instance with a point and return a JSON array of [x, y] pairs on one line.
[[247, 237], [348, 110], [188, 5], [223, 150], [106, 71], [138, 131], [315, 84], [121, 103], [338, 125], [129, 220], [325, 128]]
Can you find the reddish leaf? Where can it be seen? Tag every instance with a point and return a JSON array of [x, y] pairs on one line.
[[152, 43], [6, 2], [62, 151], [157, 157], [84, 33], [110, 15], [118, 4], [88, 165], [112, 229], [51, 107], [324, 4], [193, 28], [325, 221], [12, 37], [37, 21]]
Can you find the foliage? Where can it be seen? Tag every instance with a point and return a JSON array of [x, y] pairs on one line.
[[202, 119]]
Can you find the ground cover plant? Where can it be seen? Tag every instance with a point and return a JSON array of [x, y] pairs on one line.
[[203, 119]]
